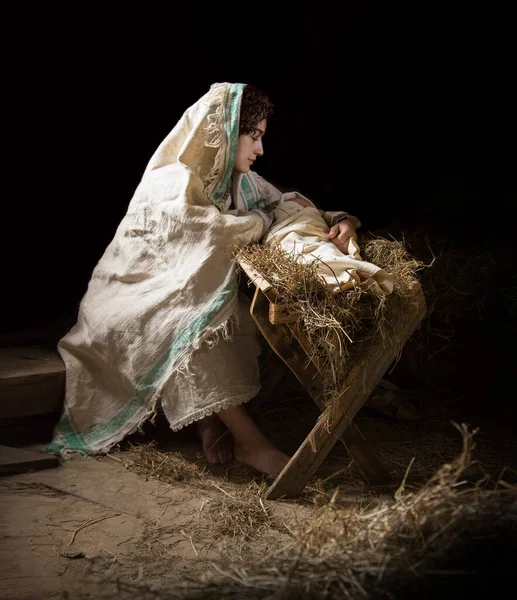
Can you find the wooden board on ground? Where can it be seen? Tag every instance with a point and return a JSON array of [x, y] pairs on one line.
[[21, 460]]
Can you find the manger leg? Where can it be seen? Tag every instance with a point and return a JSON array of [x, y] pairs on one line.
[[364, 456]]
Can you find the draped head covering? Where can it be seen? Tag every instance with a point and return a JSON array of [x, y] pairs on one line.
[[205, 140]]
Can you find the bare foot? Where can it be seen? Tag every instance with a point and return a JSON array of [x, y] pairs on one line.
[[251, 446], [266, 459], [216, 440]]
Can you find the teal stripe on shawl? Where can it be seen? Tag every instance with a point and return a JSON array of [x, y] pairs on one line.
[[250, 195], [231, 132], [70, 438]]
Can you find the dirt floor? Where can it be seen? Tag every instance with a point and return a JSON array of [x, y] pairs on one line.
[[69, 531]]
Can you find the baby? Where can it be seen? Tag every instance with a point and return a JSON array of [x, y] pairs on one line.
[[299, 228]]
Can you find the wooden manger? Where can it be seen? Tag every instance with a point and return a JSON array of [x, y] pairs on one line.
[[286, 338]]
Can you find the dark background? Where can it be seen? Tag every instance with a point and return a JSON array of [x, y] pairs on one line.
[[403, 116]]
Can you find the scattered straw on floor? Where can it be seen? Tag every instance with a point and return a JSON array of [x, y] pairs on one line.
[[169, 467], [446, 536], [239, 513]]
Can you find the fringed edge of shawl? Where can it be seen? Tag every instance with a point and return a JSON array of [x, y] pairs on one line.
[[213, 133], [213, 139], [210, 337]]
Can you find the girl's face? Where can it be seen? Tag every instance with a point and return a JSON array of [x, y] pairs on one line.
[[249, 148]]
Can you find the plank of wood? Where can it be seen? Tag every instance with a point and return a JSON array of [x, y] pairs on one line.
[[257, 279], [330, 426], [32, 382], [16, 364], [21, 460], [279, 313], [22, 431], [364, 457]]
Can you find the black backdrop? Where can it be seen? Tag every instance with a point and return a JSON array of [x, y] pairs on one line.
[[393, 114]]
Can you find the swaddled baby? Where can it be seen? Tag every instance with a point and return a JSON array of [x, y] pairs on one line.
[[300, 229]]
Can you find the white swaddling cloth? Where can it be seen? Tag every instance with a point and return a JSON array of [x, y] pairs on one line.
[[304, 233]]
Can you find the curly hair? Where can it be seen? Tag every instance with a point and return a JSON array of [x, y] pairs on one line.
[[255, 107]]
